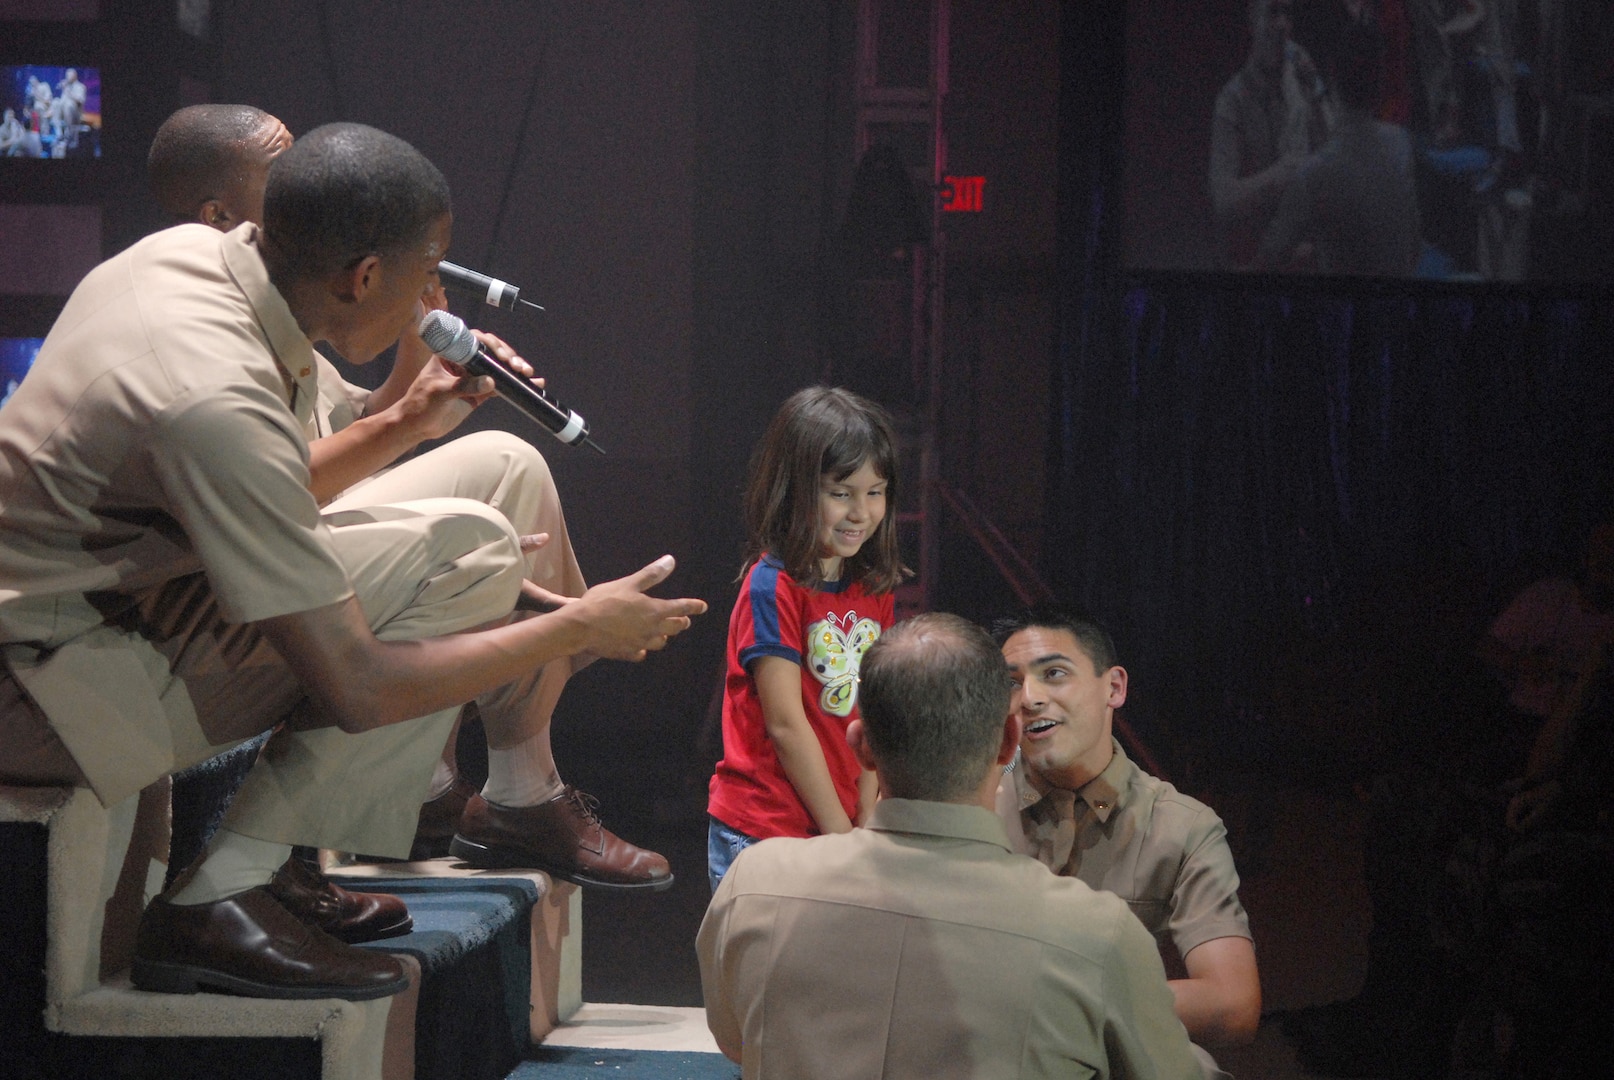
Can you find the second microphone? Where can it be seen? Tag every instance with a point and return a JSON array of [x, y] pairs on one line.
[[449, 337]]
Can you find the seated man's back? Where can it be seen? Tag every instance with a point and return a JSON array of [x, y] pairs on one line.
[[921, 947]]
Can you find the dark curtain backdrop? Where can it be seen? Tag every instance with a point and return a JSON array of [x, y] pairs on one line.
[[1297, 502]]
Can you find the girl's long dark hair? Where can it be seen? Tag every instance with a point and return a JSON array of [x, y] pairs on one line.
[[821, 431]]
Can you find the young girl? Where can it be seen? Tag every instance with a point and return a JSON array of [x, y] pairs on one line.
[[821, 562]]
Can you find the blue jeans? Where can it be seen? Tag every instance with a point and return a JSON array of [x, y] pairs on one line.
[[722, 845]]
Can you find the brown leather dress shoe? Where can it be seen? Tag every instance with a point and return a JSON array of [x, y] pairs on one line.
[[562, 837], [347, 916], [439, 820], [249, 944]]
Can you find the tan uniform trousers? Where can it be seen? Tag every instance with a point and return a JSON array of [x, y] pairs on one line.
[[420, 569], [508, 474]]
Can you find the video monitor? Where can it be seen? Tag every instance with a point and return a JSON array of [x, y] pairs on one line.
[[50, 112], [1468, 141], [16, 357]]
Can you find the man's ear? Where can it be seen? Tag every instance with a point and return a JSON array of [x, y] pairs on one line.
[[352, 284], [1116, 677], [858, 739], [215, 215], [1011, 738]]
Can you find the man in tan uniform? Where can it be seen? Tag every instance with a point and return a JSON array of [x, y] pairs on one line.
[[210, 163], [168, 585], [1078, 805], [920, 946]]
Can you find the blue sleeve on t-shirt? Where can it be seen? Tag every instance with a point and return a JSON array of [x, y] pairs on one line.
[[766, 639]]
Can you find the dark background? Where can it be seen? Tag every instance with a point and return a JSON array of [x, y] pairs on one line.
[[1296, 503]]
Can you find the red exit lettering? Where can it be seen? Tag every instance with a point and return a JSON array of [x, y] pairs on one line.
[[963, 193]]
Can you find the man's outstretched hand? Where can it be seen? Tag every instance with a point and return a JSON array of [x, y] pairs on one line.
[[622, 622]]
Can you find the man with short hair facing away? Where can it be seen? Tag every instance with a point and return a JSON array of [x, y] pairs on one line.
[[920, 946], [1078, 804]]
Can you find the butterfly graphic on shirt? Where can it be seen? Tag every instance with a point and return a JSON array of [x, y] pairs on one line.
[[835, 648]]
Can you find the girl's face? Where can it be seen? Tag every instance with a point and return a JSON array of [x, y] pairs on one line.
[[849, 512]]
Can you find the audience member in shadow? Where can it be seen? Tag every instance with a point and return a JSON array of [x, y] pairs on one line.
[[920, 946], [1553, 633], [1538, 949], [1488, 858], [1075, 802], [1522, 910]]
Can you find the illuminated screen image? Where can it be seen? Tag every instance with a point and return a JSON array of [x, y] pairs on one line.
[[16, 357], [50, 112], [1467, 140]]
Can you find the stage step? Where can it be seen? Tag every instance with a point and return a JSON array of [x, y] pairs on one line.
[[630, 1042], [502, 952], [495, 962]]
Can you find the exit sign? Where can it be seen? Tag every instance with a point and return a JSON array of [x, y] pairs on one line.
[[962, 194]]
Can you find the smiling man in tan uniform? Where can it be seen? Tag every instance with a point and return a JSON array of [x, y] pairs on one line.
[[1080, 806], [168, 585]]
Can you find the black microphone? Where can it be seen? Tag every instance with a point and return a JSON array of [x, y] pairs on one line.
[[499, 294], [449, 337]]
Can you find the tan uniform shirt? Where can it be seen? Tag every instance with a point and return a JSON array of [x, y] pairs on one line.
[[339, 403], [921, 947], [161, 432], [1136, 836]]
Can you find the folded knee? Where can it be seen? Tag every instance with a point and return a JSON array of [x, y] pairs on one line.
[[515, 457]]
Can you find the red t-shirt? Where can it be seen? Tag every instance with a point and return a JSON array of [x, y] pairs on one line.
[[826, 631]]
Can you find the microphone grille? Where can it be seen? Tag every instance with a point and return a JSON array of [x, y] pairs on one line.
[[447, 336]]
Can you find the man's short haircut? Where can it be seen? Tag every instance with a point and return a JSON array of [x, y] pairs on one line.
[[934, 695], [344, 192], [196, 155], [1089, 633]]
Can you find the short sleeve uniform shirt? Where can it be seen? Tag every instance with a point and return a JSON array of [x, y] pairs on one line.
[[161, 432], [1134, 835]]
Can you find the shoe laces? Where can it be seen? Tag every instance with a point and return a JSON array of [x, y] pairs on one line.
[[587, 805]]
